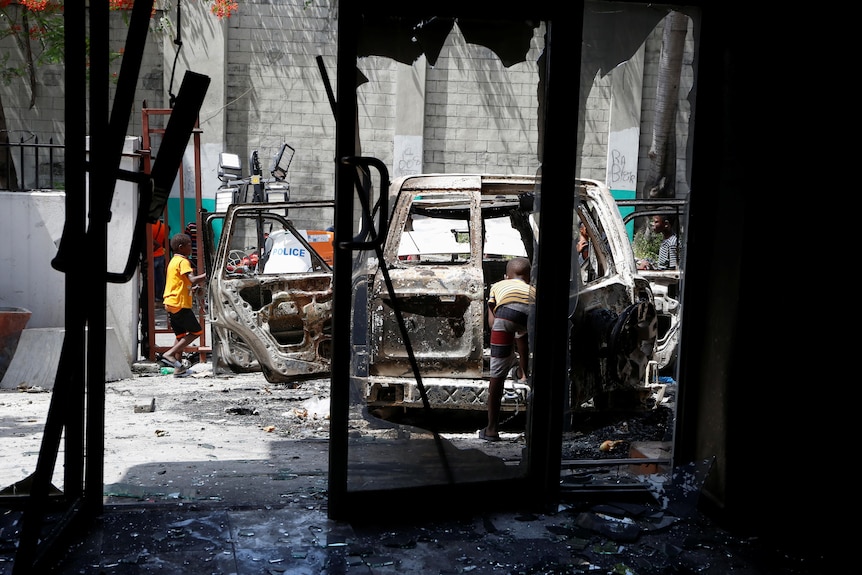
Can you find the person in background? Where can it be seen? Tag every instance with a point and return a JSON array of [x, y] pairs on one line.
[[583, 245], [508, 311], [159, 231], [192, 232], [668, 251], [178, 301]]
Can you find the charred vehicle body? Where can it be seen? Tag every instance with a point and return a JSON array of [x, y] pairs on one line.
[[449, 238], [665, 283], [613, 317], [270, 290], [270, 284], [420, 333]]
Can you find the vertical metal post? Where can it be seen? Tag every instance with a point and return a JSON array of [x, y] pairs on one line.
[[100, 191], [67, 400], [51, 162], [553, 254], [345, 146], [21, 154], [202, 346], [149, 317], [36, 161]]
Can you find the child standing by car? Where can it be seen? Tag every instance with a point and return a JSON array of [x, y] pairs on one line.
[[178, 301], [508, 309]]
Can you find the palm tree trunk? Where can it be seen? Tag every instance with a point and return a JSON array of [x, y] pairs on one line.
[[661, 178]]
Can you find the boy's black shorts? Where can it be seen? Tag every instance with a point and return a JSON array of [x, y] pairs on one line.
[[185, 322]]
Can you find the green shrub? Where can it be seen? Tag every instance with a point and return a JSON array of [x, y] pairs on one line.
[[646, 244]]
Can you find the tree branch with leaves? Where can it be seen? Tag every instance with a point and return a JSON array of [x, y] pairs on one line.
[[38, 30]]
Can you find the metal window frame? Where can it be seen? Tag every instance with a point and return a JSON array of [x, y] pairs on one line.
[[540, 484]]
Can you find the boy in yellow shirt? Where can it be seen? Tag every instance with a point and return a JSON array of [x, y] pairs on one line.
[[178, 300]]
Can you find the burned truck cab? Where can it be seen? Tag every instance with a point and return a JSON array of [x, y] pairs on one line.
[[419, 327], [449, 239]]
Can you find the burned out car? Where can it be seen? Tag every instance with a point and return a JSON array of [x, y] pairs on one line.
[[449, 238], [270, 288], [613, 316], [419, 332]]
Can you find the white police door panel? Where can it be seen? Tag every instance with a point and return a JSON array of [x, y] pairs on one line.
[[286, 254]]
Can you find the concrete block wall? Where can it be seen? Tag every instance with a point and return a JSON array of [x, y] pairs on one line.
[[479, 115], [275, 92]]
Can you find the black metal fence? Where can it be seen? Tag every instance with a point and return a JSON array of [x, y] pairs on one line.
[[31, 165]]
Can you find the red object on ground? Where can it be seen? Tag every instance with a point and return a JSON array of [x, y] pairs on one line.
[[12, 323]]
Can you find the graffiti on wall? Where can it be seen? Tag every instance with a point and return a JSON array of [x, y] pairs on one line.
[[408, 156], [620, 176]]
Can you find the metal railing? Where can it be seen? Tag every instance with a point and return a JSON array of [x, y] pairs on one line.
[[22, 169]]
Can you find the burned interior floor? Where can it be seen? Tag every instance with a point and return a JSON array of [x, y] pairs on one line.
[[608, 435], [204, 496], [295, 536]]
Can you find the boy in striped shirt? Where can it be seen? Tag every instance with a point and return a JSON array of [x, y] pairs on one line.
[[508, 310]]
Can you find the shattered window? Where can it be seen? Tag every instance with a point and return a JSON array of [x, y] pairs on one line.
[[502, 240], [438, 230], [268, 244], [592, 246]]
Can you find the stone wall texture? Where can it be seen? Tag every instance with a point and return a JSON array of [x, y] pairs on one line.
[[479, 116]]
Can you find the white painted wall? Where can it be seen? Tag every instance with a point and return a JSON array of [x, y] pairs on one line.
[[31, 224], [202, 52], [122, 299]]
